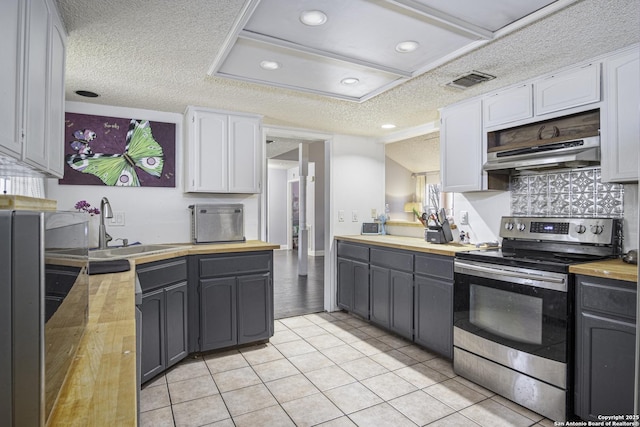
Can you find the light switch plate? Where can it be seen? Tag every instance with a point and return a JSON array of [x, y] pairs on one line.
[[117, 220], [354, 216], [464, 218], [340, 216]]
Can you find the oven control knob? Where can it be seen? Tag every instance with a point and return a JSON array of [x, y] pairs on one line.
[[522, 227], [597, 229], [580, 229], [508, 226]]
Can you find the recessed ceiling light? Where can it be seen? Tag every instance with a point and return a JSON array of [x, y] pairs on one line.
[[407, 46], [388, 126], [350, 81], [87, 93], [270, 65], [313, 18]]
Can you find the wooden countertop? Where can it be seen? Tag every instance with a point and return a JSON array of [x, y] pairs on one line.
[[609, 269], [100, 388], [213, 248], [408, 243]]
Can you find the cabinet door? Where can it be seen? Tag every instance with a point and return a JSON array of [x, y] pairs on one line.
[[55, 119], [153, 334], [508, 106], [567, 89], [380, 303], [176, 323], [401, 304], [208, 155], [605, 366], [621, 120], [245, 154], [461, 147], [434, 314], [361, 288], [345, 284], [218, 326], [35, 109], [255, 310], [11, 29]]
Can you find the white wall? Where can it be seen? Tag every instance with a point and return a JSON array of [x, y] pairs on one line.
[[277, 206], [630, 222], [485, 211], [152, 214], [356, 184]]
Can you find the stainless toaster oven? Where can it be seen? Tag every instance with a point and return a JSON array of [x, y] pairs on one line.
[[217, 223]]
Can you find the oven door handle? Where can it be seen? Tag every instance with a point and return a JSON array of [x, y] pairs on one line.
[[530, 278]]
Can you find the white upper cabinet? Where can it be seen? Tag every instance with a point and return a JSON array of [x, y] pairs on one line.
[[620, 134], [245, 154], [32, 86], [55, 102], [223, 152], [508, 106], [11, 29], [567, 89], [461, 147], [35, 90]]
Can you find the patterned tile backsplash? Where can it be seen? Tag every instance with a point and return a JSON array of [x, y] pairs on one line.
[[573, 193]]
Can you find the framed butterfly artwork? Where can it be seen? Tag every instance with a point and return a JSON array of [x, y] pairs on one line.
[[123, 152]]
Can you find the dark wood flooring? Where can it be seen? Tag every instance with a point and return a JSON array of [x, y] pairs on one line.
[[295, 295]]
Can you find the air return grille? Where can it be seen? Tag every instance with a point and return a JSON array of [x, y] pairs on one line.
[[470, 79]]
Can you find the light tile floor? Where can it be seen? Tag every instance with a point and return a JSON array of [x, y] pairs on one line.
[[329, 369]]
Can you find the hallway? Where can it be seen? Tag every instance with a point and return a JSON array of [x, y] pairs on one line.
[[294, 295]]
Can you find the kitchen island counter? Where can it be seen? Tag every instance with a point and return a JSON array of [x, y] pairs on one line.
[[101, 386], [608, 269], [408, 243]]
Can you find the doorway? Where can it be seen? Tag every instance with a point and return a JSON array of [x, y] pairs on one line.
[[294, 293]]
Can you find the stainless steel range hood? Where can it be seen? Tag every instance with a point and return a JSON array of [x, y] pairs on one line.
[[571, 154]]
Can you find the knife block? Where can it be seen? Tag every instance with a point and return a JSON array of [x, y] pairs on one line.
[[434, 234]]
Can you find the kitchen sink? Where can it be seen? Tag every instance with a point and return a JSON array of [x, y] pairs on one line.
[[128, 251]]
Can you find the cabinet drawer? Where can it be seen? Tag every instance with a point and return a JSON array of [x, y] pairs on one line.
[[402, 261], [162, 273], [436, 266], [357, 252], [224, 265], [601, 296]]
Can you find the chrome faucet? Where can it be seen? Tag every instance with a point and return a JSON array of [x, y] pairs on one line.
[[105, 212]]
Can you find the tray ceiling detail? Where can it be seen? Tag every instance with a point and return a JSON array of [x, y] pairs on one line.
[[357, 49]]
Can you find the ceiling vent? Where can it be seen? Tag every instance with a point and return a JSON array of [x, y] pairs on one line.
[[471, 79]]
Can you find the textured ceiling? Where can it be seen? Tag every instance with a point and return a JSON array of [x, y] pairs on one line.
[[154, 54]]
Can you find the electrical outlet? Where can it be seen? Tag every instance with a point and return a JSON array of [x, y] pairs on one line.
[[117, 220], [354, 216], [340, 216], [464, 218], [374, 214]]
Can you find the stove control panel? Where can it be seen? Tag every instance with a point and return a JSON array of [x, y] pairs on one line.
[[578, 230]]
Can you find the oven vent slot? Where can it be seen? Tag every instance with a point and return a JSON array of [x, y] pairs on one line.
[[541, 148], [471, 79]]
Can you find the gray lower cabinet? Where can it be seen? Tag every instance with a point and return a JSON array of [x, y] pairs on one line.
[[409, 293], [218, 319], [164, 315], [234, 300], [433, 303], [605, 347], [353, 278], [391, 288]]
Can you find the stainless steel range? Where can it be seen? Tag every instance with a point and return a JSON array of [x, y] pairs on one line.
[[513, 308]]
